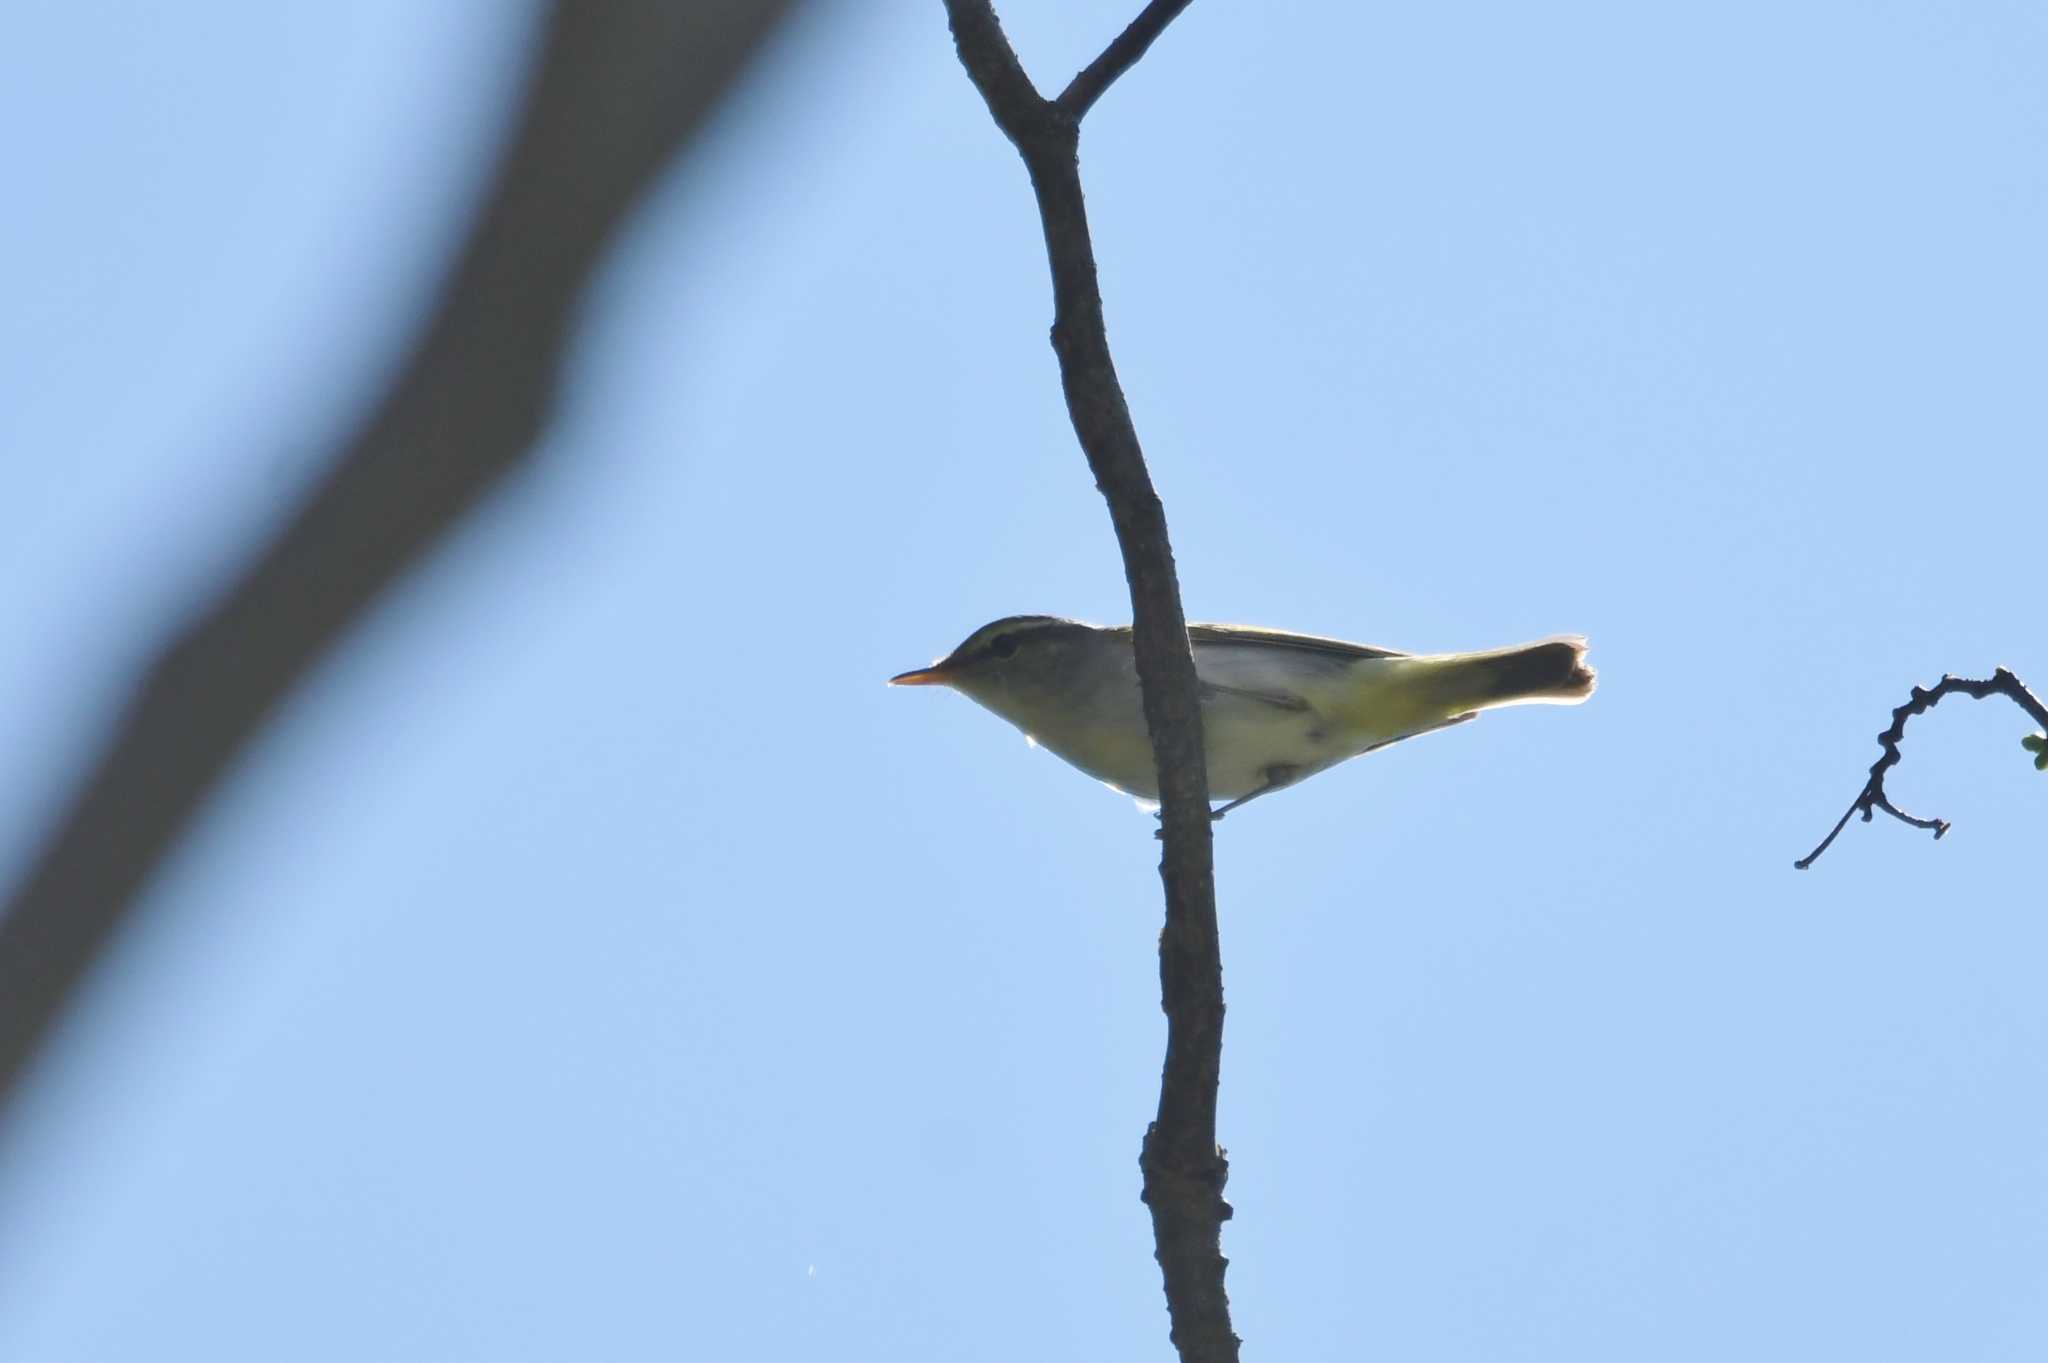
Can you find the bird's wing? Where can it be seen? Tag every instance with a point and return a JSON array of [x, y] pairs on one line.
[[1278, 699], [1276, 670], [1252, 634]]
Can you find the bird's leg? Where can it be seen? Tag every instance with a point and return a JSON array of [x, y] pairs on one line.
[[1278, 775]]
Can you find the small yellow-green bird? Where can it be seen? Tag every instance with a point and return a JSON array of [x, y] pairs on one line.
[[1276, 707]]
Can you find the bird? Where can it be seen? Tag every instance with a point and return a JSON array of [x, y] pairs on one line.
[[1277, 707]]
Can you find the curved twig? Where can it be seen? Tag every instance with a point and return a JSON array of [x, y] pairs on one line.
[[1873, 797], [1184, 1170]]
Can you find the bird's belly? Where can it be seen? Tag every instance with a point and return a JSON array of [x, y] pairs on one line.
[[1245, 748], [1241, 750], [1120, 756]]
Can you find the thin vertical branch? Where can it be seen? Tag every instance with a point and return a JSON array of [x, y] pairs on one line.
[[617, 89], [1184, 1170]]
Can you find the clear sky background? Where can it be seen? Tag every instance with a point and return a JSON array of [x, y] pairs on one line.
[[599, 962]]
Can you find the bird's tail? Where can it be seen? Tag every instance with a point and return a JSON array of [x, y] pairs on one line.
[[1549, 672]]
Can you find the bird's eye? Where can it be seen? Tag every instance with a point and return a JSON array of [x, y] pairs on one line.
[[1003, 645]]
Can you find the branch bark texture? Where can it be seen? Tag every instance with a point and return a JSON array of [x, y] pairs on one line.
[[618, 87], [1184, 1169], [1873, 797]]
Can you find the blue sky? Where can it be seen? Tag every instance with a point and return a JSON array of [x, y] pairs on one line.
[[598, 961]]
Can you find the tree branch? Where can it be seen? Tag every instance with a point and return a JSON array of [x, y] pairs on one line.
[[1184, 1170], [618, 88], [1872, 797], [1120, 56]]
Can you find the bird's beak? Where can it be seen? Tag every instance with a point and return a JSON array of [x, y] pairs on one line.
[[935, 675]]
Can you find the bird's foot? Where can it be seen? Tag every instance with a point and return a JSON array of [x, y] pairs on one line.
[[1215, 816]]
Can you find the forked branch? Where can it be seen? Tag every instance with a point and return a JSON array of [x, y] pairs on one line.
[[1184, 1170]]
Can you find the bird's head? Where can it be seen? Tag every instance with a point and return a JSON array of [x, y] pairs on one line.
[[1009, 664]]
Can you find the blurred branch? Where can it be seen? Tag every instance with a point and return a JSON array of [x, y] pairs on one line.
[[618, 88], [1184, 1170], [1873, 797]]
